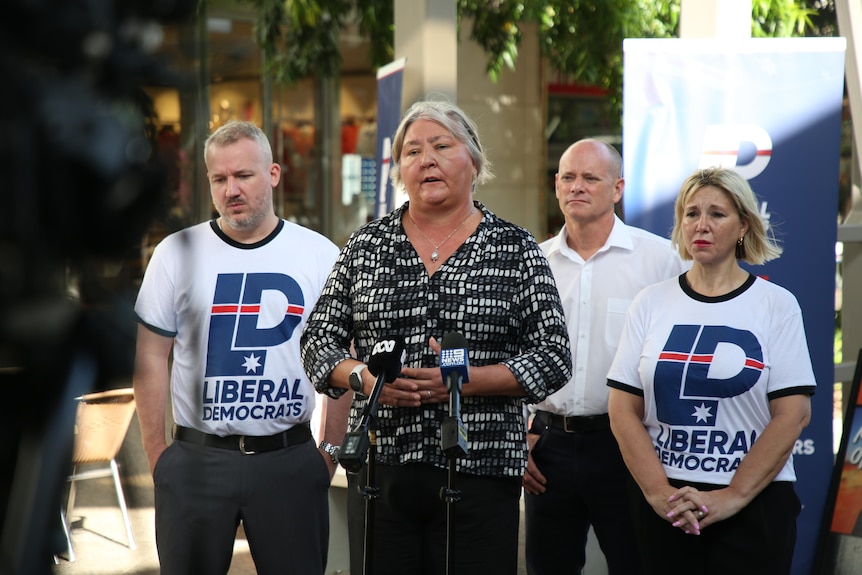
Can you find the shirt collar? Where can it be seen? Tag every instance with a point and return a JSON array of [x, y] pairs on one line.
[[620, 237]]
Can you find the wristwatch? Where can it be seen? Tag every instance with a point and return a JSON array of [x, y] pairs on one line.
[[332, 450], [356, 377]]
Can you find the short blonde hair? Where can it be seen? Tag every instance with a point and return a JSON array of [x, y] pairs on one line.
[[455, 121], [234, 131], [759, 244]]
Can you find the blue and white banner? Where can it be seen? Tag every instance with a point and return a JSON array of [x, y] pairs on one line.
[[390, 79], [771, 109]]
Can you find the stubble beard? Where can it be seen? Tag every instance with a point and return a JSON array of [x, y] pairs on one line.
[[249, 220]]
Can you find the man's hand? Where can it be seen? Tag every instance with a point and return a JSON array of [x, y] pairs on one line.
[[533, 481]]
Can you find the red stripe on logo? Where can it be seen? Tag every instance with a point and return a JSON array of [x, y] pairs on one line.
[[754, 363], [670, 356]]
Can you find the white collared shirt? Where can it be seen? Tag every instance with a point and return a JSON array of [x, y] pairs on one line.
[[596, 295]]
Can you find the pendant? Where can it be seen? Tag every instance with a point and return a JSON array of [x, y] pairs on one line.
[[434, 256]]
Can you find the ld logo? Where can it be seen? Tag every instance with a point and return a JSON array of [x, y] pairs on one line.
[[238, 336], [745, 148], [687, 392]]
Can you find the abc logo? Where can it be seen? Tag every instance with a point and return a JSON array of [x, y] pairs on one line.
[[384, 346]]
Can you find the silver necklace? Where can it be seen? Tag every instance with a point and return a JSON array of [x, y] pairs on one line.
[[435, 254]]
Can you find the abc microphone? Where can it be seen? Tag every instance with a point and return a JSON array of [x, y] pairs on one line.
[[455, 368], [385, 363], [386, 359]]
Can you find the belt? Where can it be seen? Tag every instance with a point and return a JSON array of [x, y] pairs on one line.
[[574, 423], [246, 444]]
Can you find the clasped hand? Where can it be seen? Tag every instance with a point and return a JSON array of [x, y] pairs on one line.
[[416, 386], [692, 510]]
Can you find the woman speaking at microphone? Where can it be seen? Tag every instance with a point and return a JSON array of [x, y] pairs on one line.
[[440, 263]]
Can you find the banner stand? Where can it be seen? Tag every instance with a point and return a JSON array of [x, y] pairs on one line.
[[839, 549]]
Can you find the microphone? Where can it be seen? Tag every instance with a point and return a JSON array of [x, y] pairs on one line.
[[455, 368], [385, 363], [387, 357], [454, 363]]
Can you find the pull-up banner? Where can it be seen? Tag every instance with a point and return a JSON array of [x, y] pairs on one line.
[[840, 548], [770, 109], [390, 79]]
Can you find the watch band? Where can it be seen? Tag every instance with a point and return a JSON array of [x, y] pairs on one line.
[[331, 449], [355, 378]]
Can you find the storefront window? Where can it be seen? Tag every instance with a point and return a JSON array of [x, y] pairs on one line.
[[220, 66]]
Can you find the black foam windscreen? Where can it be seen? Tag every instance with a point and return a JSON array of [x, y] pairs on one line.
[[387, 357]]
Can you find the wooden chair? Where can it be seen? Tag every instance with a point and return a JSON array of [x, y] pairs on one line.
[[101, 424]]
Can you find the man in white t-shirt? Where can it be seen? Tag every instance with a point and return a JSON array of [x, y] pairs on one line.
[[575, 474], [221, 310]]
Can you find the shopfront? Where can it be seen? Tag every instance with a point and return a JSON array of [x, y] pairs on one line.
[[328, 177], [218, 78]]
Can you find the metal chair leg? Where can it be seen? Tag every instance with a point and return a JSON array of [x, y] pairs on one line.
[[69, 548], [122, 500]]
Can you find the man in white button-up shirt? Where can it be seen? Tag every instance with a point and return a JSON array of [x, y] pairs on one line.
[[575, 474]]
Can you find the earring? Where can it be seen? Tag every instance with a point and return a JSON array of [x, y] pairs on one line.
[[739, 241], [740, 249]]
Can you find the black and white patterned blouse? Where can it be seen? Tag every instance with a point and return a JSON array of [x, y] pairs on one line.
[[496, 290]]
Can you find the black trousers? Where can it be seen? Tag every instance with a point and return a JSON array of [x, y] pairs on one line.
[[281, 497], [586, 485], [759, 539], [409, 522]]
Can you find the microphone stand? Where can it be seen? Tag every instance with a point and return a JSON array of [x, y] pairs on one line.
[[453, 442], [370, 493], [357, 443]]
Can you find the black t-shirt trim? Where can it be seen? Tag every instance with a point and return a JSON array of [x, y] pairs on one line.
[[236, 244], [683, 283]]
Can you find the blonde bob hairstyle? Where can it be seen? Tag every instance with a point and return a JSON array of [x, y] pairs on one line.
[[758, 246], [456, 122]]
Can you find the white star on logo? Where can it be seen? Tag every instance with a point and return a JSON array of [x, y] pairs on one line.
[[251, 363], [702, 413]]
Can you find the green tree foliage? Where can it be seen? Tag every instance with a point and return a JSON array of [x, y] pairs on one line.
[[780, 18], [581, 39], [824, 21], [300, 38]]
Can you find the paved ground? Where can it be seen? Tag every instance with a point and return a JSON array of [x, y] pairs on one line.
[[100, 545], [98, 533]]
